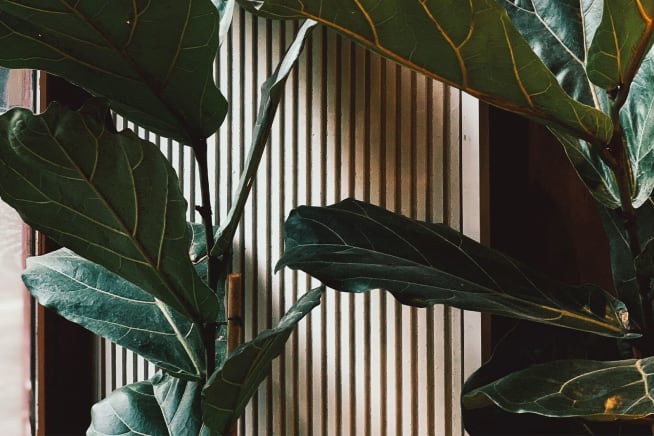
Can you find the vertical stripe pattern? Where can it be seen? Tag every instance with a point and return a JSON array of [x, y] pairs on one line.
[[350, 125]]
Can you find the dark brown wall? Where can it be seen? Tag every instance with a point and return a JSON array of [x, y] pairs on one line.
[[541, 213]]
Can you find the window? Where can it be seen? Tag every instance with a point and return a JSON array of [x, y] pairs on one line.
[[15, 90]]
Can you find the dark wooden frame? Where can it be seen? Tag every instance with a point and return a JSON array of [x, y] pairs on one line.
[[63, 366]]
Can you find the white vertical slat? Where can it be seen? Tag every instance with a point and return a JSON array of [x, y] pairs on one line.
[[472, 217], [350, 124]]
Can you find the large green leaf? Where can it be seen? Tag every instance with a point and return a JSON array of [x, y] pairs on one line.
[[596, 175], [622, 39], [560, 32], [471, 45], [110, 197], [154, 60], [355, 247], [595, 390], [230, 388], [161, 406], [110, 306], [637, 119], [524, 345]]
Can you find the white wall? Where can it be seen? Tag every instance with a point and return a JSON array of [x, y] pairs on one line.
[[351, 124]]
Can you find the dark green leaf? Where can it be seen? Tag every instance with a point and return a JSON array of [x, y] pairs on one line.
[[154, 60], [471, 45], [596, 175], [622, 39], [637, 119], [110, 197], [161, 406], [560, 32], [619, 48], [110, 306], [231, 387], [524, 345], [355, 247], [595, 390]]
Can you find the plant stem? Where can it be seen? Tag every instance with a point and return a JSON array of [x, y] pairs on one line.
[[616, 155], [272, 92], [206, 212]]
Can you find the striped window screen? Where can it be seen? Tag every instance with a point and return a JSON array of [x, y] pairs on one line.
[[350, 125]]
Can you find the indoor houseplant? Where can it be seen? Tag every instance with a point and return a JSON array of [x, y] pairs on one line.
[[133, 270], [582, 68]]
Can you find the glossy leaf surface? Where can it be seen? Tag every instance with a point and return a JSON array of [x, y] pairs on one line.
[[621, 40], [355, 247], [527, 344], [110, 197], [560, 32], [153, 60], [230, 388], [161, 406], [602, 391], [110, 306], [637, 119], [471, 45]]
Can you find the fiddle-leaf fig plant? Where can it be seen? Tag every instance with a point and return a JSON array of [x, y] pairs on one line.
[[132, 269], [585, 70]]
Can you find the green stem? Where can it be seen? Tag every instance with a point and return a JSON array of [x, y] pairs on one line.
[[616, 155], [206, 212]]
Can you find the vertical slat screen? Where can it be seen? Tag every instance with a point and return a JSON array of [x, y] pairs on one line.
[[350, 125]]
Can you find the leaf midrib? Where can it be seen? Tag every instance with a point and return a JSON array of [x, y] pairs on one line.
[[180, 338], [163, 278], [490, 291], [145, 78]]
